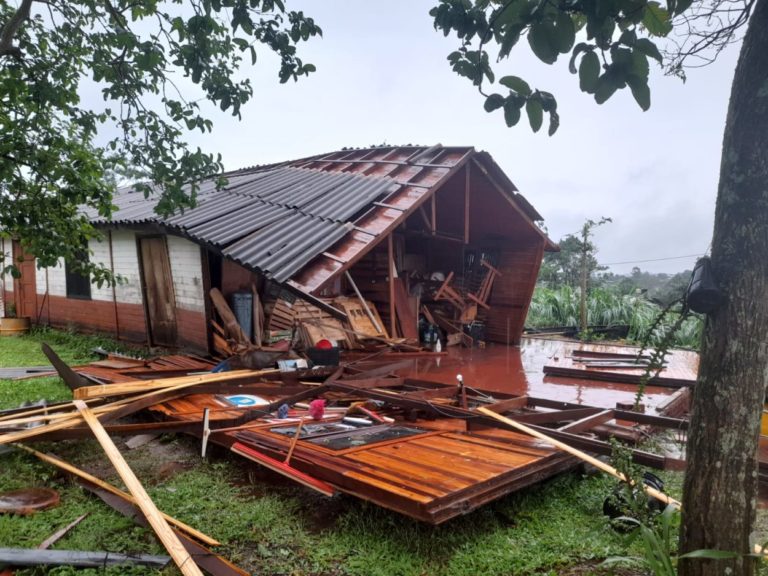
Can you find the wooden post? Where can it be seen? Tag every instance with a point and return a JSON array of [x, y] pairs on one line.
[[171, 542], [391, 263], [466, 204], [434, 214]]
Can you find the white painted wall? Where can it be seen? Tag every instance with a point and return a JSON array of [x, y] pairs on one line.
[[125, 253], [187, 271], [126, 264]]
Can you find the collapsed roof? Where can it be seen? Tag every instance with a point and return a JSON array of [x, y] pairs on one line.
[[300, 223]]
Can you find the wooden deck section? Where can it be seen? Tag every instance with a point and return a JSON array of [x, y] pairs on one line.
[[439, 472], [432, 476]]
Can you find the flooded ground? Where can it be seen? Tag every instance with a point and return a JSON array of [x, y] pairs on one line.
[[520, 370]]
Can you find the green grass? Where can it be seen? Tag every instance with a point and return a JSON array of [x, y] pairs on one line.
[[268, 525], [17, 351]]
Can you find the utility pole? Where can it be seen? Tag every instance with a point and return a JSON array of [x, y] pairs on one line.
[[586, 251]]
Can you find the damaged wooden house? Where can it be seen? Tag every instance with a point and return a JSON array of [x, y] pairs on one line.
[[402, 242]]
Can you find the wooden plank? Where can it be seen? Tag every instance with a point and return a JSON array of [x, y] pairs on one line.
[[513, 444], [228, 317], [434, 456], [60, 533], [415, 476], [509, 404], [159, 524], [405, 312], [391, 274], [70, 377], [556, 415], [160, 299], [599, 464], [482, 456], [123, 388], [389, 487], [588, 422], [205, 558], [283, 469]]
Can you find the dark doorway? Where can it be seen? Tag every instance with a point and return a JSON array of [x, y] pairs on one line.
[[159, 299]]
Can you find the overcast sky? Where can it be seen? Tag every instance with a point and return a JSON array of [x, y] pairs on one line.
[[382, 77]]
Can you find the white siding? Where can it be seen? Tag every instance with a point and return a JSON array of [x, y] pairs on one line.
[[187, 272], [126, 262], [57, 280], [100, 255]]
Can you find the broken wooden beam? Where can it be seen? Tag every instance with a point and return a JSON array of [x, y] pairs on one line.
[[207, 560], [599, 464], [170, 541], [67, 467], [60, 533]]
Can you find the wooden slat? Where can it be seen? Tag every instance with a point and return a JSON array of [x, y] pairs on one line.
[[588, 422], [121, 389], [159, 524], [481, 455], [579, 454]]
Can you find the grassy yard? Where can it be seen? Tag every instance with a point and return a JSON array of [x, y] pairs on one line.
[[269, 526]]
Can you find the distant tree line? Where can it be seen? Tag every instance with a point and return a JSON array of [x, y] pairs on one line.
[[634, 300]]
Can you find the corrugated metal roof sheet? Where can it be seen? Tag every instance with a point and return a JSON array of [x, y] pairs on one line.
[[277, 219]]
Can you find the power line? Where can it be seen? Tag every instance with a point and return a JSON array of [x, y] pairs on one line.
[[651, 260]]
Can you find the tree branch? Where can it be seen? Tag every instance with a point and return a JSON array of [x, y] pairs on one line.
[[11, 27]]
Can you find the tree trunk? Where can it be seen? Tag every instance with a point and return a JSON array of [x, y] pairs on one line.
[[583, 321], [720, 490]]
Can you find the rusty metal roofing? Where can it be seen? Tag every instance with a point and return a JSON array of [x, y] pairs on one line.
[[302, 222]]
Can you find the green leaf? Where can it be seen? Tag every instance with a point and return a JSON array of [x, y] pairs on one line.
[[680, 6], [565, 32], [493, 102], [640, 91], [639, 64], [540, 39], [589, 72], [511, 113], [606, 87], [554, 122], [580, 47], [656, 20], [517, 84], [647, 47], [535, 113]]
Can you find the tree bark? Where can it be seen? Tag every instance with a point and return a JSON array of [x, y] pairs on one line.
[[720, 489]]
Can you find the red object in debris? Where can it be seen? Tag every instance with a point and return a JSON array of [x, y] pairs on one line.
[[324, 344], [317, 409]]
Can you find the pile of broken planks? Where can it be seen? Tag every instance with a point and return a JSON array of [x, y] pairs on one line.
[[287, 323], [94, 413], [430, 451]]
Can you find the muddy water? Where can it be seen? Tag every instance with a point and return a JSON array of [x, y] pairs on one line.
[[519, 370]]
